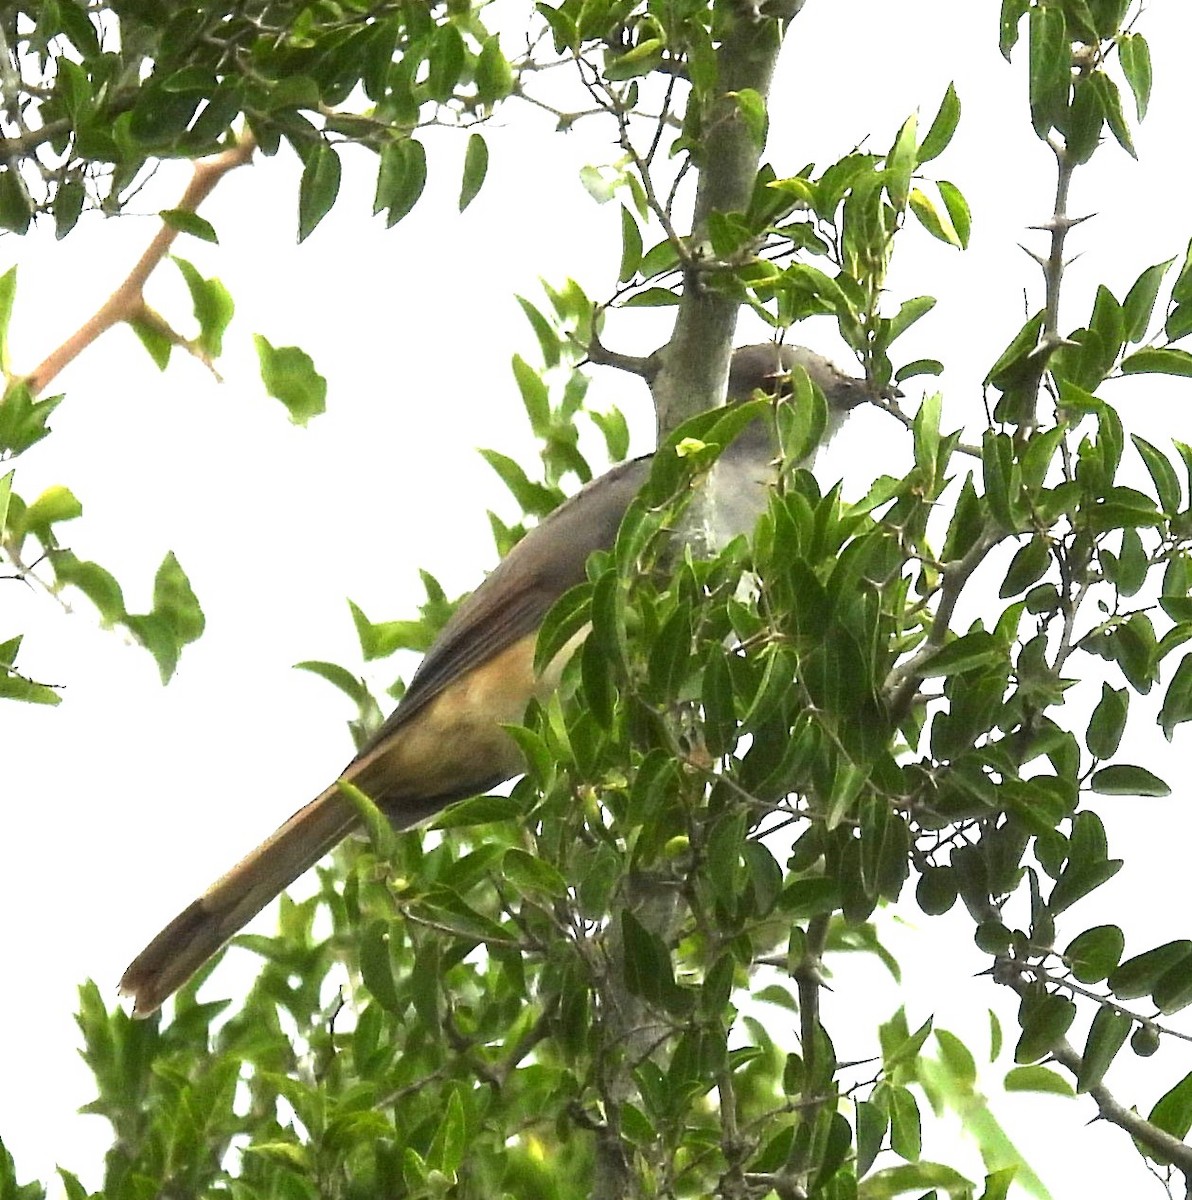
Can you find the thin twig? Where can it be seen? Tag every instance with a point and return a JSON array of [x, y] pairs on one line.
[[127, 302], [1137, 1126]]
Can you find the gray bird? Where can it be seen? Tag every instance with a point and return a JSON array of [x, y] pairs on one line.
[[444, 741]]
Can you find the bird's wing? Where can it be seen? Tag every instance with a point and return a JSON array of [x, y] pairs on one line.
[[514, 598]]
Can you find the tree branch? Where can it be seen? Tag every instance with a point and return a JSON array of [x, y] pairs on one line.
[[127, 302], [697, 357], [1167, 1147]]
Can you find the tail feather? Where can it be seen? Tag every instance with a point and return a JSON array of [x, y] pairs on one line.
[[197, 932]]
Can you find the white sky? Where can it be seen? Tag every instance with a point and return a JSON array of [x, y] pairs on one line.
[[128, 799]]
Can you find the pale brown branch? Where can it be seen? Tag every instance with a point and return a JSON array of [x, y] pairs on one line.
[[127, 301]]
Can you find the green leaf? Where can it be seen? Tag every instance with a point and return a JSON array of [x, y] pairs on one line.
[[906, 1136], [175, 602], [908, 313], [918, 1177], [534, 498], [1140, 300], [445, 61], [94, 582], [376, 825], [184, 221], [548, 341], [1044, 1024], [1173, 1114], [958, 210], [1028, 565], [1011, 17], [8, 291], [156, 338], [1107, 1035], [475, 169], [654, 297], [213, 308], [1162, 473], [1177, 703], [942, 127], [376, 967], [16, 206], [937, 223], [335, 675], [962, 654], [641, 60], [1050, 65], [649, 971], [535, 395], [1173, 990], [450, 1143], [289, 375], [57, 503], [1107, 723], [1095, 953], [752, 109], [530, 874], [900, 162], [871, 1131], [1110, 101], [493, 74], [1121, 779], [319, 187], [1138, 975], [631, 246], [1135, 56], [401, 178], [1036, 1079], [1163, 362]]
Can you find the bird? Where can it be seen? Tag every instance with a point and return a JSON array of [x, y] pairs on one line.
[[444, 741]]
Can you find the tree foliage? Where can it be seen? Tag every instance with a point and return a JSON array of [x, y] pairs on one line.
[[556, 993]]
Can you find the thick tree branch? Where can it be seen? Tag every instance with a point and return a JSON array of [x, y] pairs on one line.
[[697, 357], [127, 302]]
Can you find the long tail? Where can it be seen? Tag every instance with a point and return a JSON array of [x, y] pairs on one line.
[[197, 932]]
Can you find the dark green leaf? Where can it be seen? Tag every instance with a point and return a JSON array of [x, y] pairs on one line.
[[1162, 473], [376, 967], [530, 874], [1107, 1035], [16, 206], [1164, 362], [1173, 1113], [1138, 975], [1135, 56], [1140, 300], [1177, 703], [475, 169], [319, 187], [942, 127], [906, 1137], [958, 210], [1011, 17], [1121, 779], [1092, 955], [1045, 1023], [1107, 722], [1050, 65], [963, 653]]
